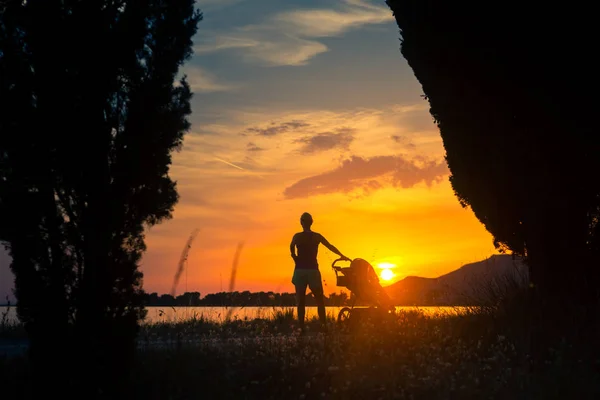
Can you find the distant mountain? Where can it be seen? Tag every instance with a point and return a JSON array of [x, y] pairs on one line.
[[467, 285]]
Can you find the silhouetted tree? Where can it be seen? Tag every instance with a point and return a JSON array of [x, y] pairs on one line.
[[152, 299], [89, 116], [512, 88], [337, 299], [188, 299], [166, 300]]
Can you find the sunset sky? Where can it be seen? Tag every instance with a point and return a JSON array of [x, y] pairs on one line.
[[305, 106]]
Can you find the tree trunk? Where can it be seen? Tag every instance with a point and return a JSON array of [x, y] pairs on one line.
[[564, 284], [93, 333]]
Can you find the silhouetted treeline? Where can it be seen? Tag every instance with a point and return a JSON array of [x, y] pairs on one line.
[[245, 298]]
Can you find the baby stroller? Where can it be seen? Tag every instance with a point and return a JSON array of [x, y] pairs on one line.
[[362, 281]]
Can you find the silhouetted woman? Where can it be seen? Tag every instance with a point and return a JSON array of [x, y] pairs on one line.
[[304, 248]]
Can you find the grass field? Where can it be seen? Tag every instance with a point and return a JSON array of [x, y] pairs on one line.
[[410, 355]]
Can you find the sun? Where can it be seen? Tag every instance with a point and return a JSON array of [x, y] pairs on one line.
[[387, 274]]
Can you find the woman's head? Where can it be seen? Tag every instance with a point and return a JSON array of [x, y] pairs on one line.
[[306, 220]]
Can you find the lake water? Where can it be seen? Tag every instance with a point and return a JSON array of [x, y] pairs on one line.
[[217, 314]]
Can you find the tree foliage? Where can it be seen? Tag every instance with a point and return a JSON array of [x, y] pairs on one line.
[[90, 113], [512, 89]]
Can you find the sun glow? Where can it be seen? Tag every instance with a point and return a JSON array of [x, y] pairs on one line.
[[387, 274]]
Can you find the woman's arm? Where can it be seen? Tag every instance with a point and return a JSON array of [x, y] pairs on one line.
[[293, 248], [332, 248]]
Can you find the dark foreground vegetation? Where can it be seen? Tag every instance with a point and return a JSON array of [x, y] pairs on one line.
[[477, 355], [483, 352]]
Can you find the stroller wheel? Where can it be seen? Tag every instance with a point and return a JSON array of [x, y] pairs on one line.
[[344, 315]]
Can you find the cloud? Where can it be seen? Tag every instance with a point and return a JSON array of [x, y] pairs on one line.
[[201, 80], [275, 129], [266, 44], [286, 137], [253, 147], [326, 141], [223, 42], [189, 195], [410, 108], [271, 47], [288, 38], [404, 141], [357, 173], [211, 5], [333, 22]]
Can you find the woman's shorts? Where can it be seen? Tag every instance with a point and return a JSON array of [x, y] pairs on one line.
[[308, 277]]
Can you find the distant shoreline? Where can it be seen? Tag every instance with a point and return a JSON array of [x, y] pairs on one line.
[[287, 306]]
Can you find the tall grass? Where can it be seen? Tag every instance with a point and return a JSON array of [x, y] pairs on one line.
[[4, 316], [183, 259], [10, 329], [500, 293]]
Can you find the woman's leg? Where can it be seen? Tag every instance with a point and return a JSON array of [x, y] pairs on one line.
[[316, 286], [301, 302], [319, 298]]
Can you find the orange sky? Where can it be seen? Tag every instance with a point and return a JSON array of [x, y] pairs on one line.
[[305, 105], [374, 197]]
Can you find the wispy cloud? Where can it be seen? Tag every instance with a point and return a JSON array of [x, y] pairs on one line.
[[266, 44], [286, 140], [201, 80], [253, 147], [326, 141], [224, 42], [333, 22], [403, 141], [288, 146], [211, 5], [275, 129], [289, 38], [357, 173]]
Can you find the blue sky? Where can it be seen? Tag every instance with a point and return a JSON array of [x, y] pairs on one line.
[[287, 55], [306, 105]]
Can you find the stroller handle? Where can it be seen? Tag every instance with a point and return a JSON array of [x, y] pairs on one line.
[[333, 264]]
